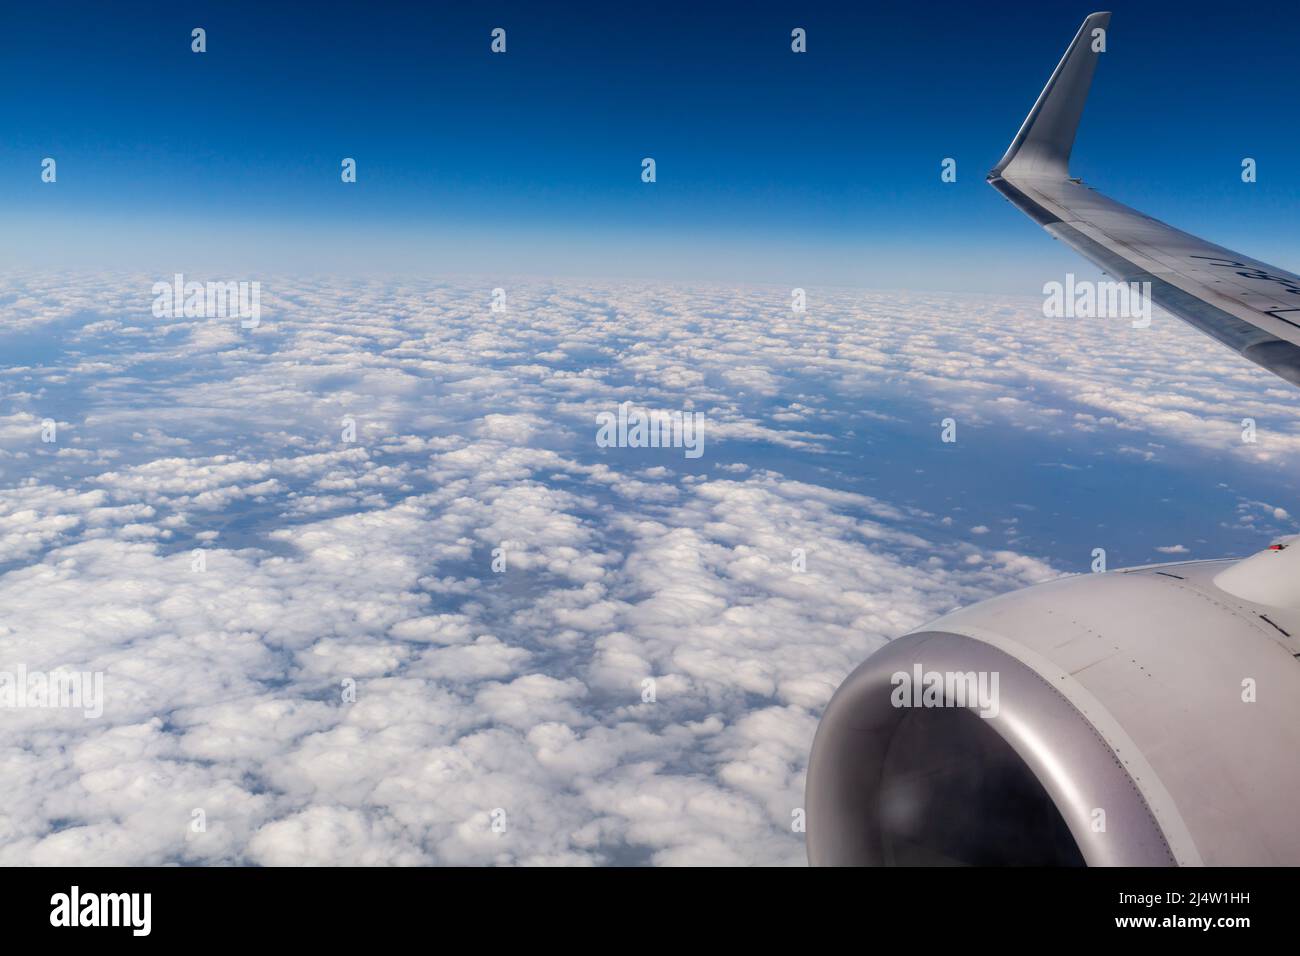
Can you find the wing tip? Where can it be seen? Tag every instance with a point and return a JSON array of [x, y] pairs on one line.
[[1046, 137]]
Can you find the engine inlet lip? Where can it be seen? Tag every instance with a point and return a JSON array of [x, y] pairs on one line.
[[1058, 744]]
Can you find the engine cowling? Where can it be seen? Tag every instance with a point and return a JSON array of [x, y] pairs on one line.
[[1145, 717]]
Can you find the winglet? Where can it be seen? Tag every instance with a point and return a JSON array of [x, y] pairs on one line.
[[1042, 147]]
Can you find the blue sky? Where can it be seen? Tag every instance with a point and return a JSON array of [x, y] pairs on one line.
[[820, 168]]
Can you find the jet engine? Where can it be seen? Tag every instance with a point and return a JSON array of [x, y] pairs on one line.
[[1143, 717]]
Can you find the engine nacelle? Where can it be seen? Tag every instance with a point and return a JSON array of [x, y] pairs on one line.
[[1143, 717]]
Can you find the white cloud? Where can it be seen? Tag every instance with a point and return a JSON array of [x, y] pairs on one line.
[[742, 590]]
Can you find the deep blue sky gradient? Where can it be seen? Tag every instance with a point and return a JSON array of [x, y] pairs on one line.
[[815, 168]]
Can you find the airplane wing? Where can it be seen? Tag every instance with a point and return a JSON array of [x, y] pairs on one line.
[[1249, 306]]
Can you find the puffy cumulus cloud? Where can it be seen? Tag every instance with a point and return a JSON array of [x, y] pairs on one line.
[[363, 589]]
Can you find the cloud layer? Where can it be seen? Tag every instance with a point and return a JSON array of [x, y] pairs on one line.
[[471, 635]]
